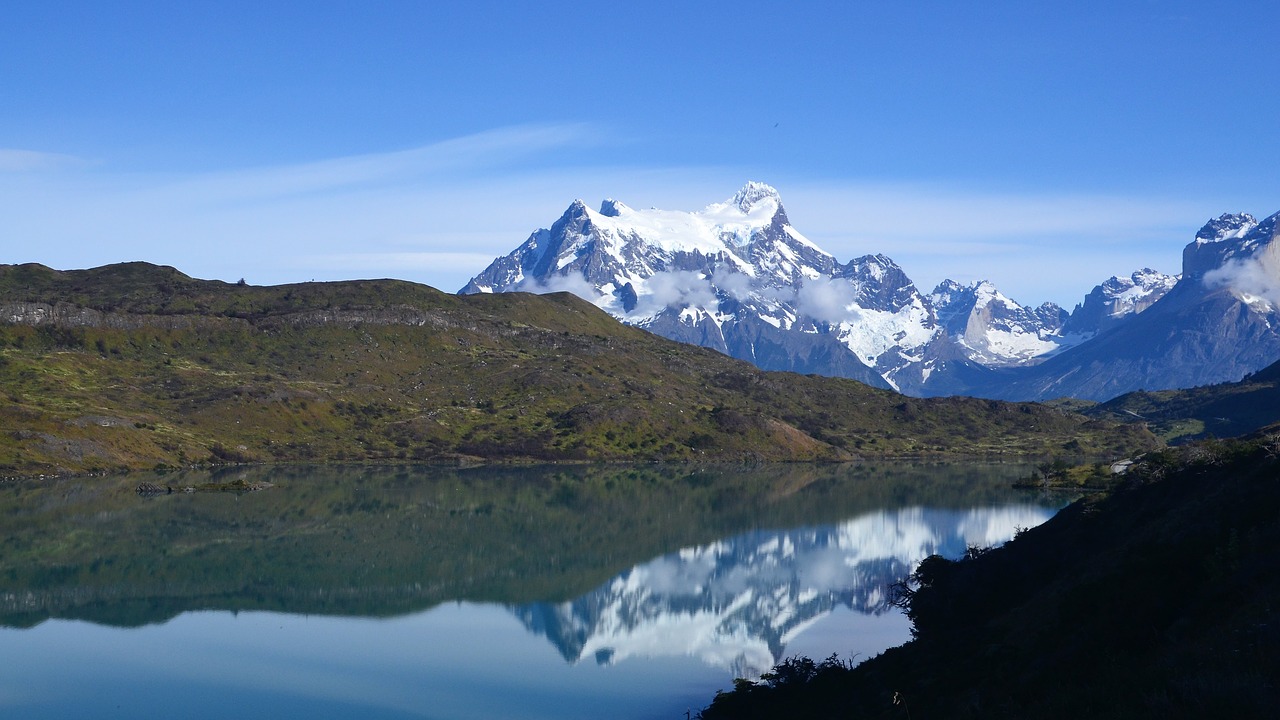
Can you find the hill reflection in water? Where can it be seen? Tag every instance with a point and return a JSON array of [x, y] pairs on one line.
[[655, 565]]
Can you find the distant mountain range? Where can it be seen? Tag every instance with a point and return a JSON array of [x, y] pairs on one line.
[[739, 278]]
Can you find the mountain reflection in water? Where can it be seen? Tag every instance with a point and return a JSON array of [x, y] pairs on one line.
[[737, 602], [669, 568]]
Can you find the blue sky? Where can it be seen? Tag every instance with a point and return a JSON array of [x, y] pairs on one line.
[[1043, 149]]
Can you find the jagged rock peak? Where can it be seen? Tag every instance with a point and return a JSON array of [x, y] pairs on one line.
[[1139, 285], [1227, 238], [876, 266], [947, 287], [612, 208], [1146, 277], [752, 193], [1227, 226], [1117, 299], [949, 292]]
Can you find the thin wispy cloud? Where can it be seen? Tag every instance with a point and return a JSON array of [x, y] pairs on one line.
[[421, 212], [464, 156], [26, 161], [441, 212]]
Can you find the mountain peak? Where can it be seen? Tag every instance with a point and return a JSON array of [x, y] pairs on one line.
[[1211, 249], [612, 208], [1147, 277], [947, 288], [752, 193], [1226, 226]]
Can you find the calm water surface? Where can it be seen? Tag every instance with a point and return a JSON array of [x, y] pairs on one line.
[[585, 592]]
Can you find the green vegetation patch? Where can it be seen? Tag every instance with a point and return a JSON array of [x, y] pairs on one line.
[[1179, 416], [196, 372]]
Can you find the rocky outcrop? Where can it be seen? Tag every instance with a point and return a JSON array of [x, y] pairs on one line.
[[67, 315]]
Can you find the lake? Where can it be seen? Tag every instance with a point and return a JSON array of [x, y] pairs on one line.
[[553, 592]]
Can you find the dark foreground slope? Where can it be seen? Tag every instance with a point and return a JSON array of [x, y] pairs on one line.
[[1158, 601], [137, 366]]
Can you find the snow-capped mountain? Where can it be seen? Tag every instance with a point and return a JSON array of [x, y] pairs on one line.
[[738, 602], [1118, 298], [735, 276], [992, 329], [739, 278], [1217, 323]]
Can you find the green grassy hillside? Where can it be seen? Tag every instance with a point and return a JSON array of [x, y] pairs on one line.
[[136, 366], [1225, 410]]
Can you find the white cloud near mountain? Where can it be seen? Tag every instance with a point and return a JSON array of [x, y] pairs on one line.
[[827, 300], [562, 283], [1250, 278], [678, 288], [736, 284]]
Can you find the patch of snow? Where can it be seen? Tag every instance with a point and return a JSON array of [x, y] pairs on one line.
[[1015, 343], [874, 332], [795, 235]]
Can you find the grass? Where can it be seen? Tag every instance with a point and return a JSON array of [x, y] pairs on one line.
[[188, 371], [1179, 416]]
